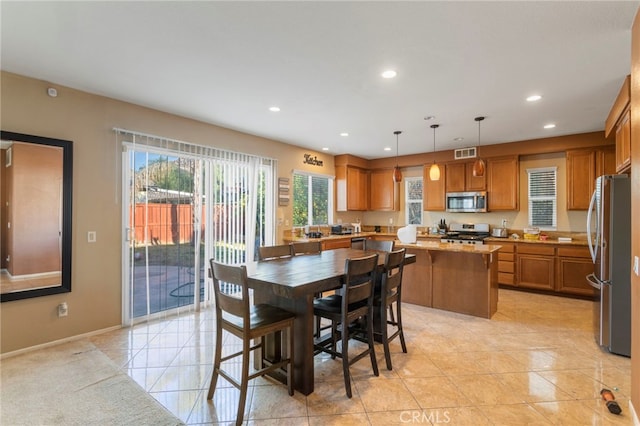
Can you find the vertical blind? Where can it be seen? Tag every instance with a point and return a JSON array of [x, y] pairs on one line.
[[543, 197]]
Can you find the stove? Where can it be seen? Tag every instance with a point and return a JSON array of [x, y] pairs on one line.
[[466, 233]]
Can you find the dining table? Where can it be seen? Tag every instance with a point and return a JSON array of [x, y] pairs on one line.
[[291, 283]]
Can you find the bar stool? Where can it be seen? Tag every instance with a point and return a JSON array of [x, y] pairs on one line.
[[380, 245], [235, 315], [388, 297], [354, 301]]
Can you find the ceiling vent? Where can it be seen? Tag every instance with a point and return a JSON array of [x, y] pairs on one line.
[[462, 153]]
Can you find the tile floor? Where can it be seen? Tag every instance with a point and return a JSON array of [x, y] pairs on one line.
[[535, 362]]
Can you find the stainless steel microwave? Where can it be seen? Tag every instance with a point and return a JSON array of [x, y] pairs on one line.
[[467, 202]]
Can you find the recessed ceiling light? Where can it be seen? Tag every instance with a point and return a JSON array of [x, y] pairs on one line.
[[549, 126], [386, 148], [458, 139], [344, 134], [430, 117], [325, 149], [274, 109], [534, 98], [389, 74]]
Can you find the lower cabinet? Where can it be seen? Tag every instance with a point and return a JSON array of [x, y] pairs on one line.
[[336, 244], [548, 267], [574, 264]]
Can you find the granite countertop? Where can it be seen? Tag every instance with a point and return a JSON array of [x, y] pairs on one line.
[[550, 240], [454, 247], [329, 237]]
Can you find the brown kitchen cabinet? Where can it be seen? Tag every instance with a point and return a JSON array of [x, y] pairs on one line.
[[460, 178], [574, 264], [619, 120], [583, 167], [433, 191], [352, 188], [384, 192], [623, 143], [503, 177], [536, 266], [336, 244], [507, 263]]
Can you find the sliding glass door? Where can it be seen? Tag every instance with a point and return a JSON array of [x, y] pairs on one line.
[[179, 211]]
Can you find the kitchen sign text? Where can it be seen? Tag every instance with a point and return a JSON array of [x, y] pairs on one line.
[[313, 160]]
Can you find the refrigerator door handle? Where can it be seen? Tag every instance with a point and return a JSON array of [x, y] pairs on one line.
[[592, 244], [593, 282]]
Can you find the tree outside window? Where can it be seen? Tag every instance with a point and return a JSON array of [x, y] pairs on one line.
[[312, 199]]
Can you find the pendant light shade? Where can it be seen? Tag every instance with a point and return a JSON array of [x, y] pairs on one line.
[[397, 174], [478, 166], [434, 170]]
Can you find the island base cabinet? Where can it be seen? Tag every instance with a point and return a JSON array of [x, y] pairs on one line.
[[416, 279], [472, 289]]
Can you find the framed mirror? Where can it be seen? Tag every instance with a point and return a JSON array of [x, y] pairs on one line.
[[35, 216]]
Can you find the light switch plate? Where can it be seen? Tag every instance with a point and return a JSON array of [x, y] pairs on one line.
[[91, 236], [636, 266]]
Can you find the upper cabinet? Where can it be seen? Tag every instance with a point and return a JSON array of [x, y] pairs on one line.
[[619, 122], [503, 179], [352, 188], [434, 190], [384, 192], [583, 167], [460, 178]]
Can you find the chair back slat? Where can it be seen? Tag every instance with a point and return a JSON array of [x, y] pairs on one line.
[[392, 272], [380, 245], [238, 303], [309, 247], [275, 252], [360, 276]]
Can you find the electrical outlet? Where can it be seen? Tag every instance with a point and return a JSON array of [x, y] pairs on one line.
[[63, 310]]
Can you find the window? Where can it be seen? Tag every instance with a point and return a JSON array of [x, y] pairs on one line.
[[413, 200], [312, 199], [543, 197]]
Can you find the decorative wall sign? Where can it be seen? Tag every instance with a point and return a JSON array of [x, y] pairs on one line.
[[283, 191], [313, 160]]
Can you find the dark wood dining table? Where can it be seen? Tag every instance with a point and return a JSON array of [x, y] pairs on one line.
[[291, 284]]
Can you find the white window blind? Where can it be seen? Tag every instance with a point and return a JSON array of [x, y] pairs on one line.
[[543, 197]]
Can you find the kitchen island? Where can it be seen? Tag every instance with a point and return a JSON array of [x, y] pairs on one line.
[[455, 277]]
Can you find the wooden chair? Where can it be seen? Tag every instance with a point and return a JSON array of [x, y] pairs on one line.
[[235, 315], [380, 245], [388, 297], [275, 252], [354, 301], [309, 247]]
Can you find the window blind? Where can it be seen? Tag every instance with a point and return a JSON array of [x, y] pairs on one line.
[[543, 197]]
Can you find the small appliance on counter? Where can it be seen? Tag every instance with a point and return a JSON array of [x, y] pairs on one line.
[[501, 232], [341, 230], [466, 233], [356, 227]]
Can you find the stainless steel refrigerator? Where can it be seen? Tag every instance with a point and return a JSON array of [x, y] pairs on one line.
[[609, 235]]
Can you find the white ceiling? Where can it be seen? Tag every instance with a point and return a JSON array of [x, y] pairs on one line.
[[226, 62]]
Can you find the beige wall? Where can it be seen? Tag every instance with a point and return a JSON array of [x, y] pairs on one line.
[[88, 120], [574, 221]]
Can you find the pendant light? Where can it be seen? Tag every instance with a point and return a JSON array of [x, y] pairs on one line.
[[478, 166], [397, 174], [434, 171]]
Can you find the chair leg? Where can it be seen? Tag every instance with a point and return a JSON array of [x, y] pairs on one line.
[[244, 381], [372, 352], [345, 359], [404, 345], [385, 336], [334, 339], [216, 361], [291, 365]]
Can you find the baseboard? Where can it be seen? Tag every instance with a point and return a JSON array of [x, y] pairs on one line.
[[58, 342], [634, 414]]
